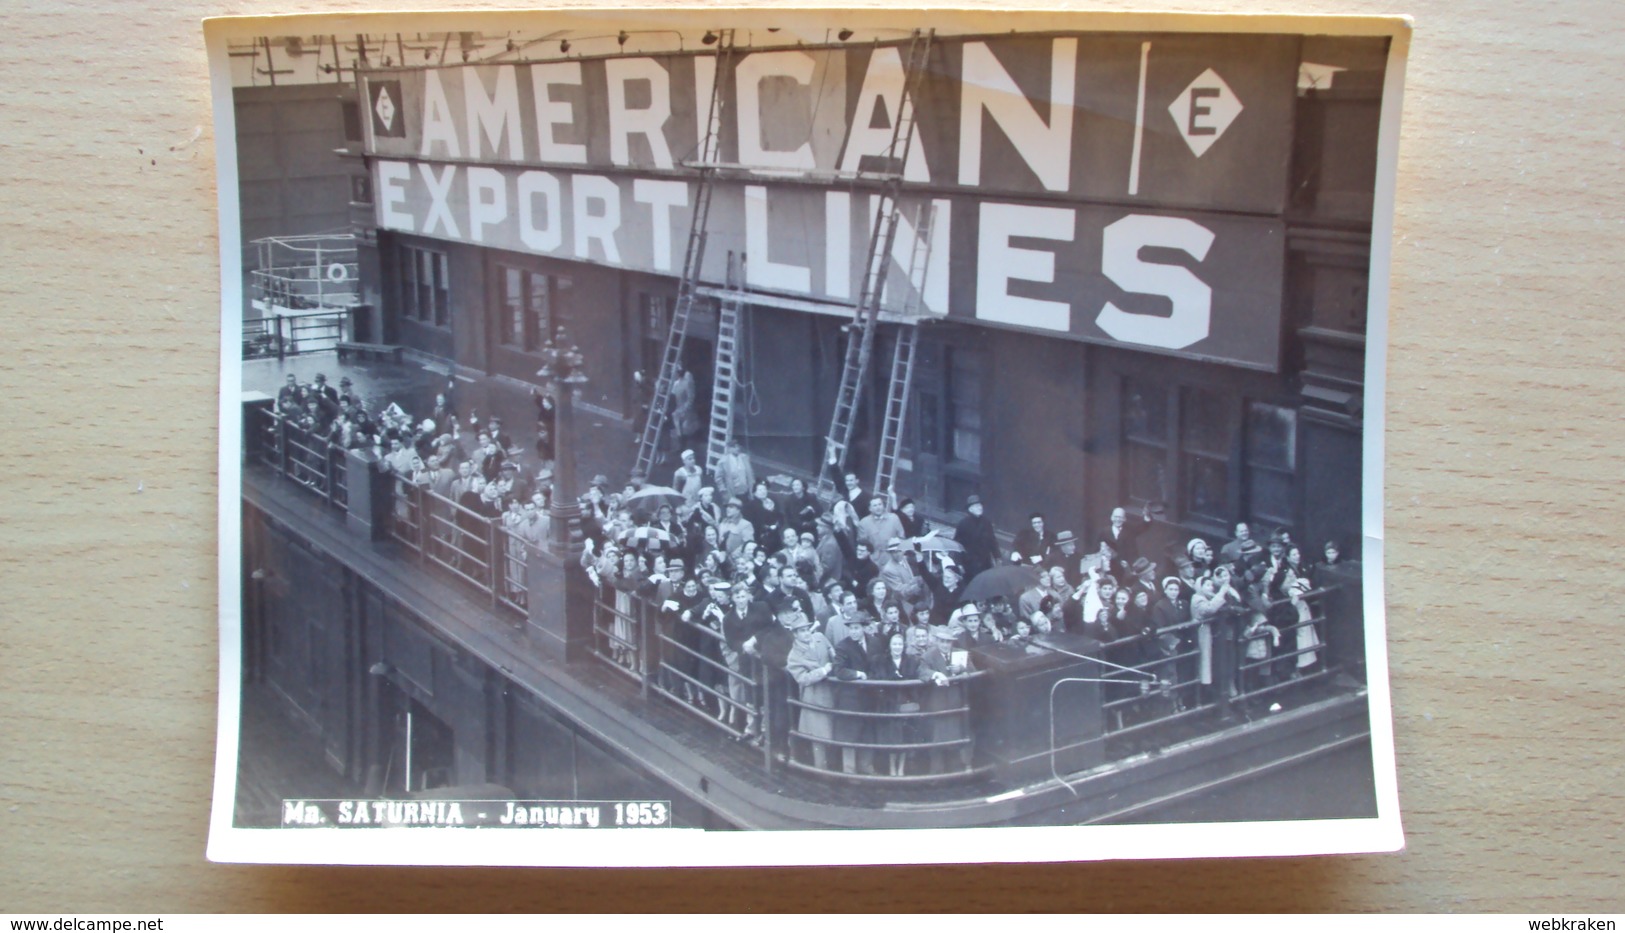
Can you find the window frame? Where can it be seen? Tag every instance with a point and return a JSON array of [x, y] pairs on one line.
[[1180, 453]]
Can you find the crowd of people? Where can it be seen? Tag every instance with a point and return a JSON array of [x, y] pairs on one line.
[[861, 587], [477, 468], [752, 573]]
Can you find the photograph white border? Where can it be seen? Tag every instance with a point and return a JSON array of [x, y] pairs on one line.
[[679, 847]]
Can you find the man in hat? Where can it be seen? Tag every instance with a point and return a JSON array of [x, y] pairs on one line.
[[735, 476], [939, 665], [902, 577], [742, 625], [975, 534], [1144, 574], [733, 531], [831, 559], [1064, 554], [857, 657], [326, 396], [290, 399]]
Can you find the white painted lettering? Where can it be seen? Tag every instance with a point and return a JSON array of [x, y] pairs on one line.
[[761, 270], [600, 227], [1191, 297], [661, 196], [494, 116], [1047, 149], [392, 179], [882, 88], [748, 76], [838, 245], [438, 126], [648, 122], [997, 263], [551, 113], [542, 231], [487, 200], [439, 211]]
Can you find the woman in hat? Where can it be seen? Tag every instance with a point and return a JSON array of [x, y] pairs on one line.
[[898, 667], [801, 509], [810, 663]]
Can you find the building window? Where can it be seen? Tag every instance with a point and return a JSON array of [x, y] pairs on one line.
[[1206, 430], [1272, 444], [1213, 458], [527, 308], [1145, 441], [425, 288], [965, 385]]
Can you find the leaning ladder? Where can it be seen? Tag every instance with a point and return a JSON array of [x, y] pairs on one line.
[[725, 376], [693, 257], [861, 333], [902, 367]]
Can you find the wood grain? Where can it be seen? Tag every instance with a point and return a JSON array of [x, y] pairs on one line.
[[1503, 495]]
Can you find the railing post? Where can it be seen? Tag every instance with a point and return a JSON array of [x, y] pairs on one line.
[[283, 456], [774, 739], [420, 505], [366, 495], [559, 605], [281, 348], [256, 408], [494, 557]]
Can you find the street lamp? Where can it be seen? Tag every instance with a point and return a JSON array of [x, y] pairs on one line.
[[563, 369]]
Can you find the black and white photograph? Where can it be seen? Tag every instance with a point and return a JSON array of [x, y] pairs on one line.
[[735, 427]]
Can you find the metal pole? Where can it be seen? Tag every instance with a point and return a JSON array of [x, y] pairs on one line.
[[564, 509]]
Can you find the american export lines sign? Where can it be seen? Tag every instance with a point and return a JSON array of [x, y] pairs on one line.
[[1113, 188]]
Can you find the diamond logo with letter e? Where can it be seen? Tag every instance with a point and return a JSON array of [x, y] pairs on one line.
[[386, 113], [386, 109], [1204, 110]]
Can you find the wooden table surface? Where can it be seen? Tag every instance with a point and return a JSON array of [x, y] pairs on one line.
[[1503, 496]]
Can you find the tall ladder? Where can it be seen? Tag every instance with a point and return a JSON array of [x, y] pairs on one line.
[[693, 257], [861, 333], [725, 376], [902, 366]]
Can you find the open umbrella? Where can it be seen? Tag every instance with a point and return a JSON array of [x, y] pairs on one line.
[[650, 498], [935, 542], [1008, 581]]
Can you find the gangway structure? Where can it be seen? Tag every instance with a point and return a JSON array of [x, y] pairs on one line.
[[898, 387], [693, 258], [866, 318], [302, 290]]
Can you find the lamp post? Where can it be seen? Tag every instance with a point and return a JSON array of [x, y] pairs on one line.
[[563, 369]]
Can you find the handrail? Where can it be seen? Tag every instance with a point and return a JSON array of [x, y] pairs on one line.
[[310, 460], [876, 731], [922, 731]]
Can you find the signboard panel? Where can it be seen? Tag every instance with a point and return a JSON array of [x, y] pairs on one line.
[[1122, 189], [1051, 116], [1193, 283]]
